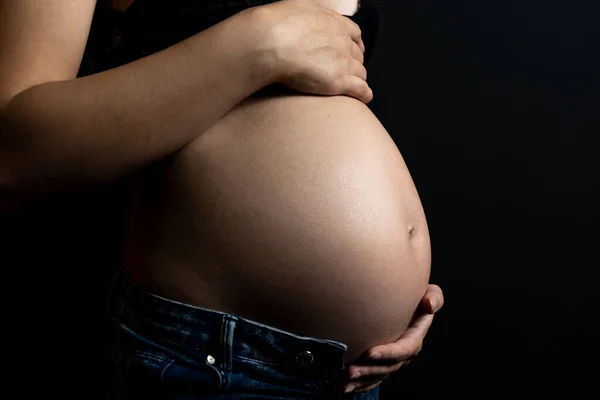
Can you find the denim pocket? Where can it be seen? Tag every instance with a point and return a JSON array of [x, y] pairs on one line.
[[147, 369]]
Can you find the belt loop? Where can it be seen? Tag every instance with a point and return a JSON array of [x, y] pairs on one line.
[[227, 333]]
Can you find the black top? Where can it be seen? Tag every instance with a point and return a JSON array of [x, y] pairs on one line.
[[148, 26]]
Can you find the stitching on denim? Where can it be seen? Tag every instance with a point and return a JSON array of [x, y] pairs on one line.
[[164, 370], [152, 355], [256, 361]]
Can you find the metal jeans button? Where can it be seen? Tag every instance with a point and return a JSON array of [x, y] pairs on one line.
[[305, 358]]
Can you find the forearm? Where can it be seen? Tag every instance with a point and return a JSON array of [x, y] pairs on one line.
[[106, 125]]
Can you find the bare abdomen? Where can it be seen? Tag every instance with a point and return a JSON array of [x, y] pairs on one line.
[[295, 211]]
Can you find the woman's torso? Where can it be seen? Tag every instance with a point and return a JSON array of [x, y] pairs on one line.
[[297, 211]]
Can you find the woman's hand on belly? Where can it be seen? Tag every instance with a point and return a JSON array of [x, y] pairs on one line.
[[297, 203], [368, 372], [326, 59], [344, 7]]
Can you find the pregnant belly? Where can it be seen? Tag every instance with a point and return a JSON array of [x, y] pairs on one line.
[[295, 211]]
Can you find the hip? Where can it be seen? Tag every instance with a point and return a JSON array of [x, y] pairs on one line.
[[165, 349]]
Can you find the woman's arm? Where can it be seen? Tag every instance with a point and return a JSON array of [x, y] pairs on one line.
[[57, 130]]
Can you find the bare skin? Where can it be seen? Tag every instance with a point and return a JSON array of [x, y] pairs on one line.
[[360, 212], [288, 203]]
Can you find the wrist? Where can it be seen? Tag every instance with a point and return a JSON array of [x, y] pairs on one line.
[[261, 55]]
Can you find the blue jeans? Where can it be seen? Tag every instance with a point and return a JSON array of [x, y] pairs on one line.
[[163, 349]]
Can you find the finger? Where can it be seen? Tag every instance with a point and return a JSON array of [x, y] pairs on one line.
[[433, 300], [357, 54], [354, 86], [370, 387], [373, 372], [362, 385], [358, 70], [350, 26], [354, 31], [409, 344], [417, 330]]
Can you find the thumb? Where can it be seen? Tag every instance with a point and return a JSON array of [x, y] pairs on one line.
[[353, 86], [433, 300]]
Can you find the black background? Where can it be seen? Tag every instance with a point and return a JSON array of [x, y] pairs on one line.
[[495, 106]]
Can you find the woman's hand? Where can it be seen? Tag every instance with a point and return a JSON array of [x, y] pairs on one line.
[[312, 49], [399, 353]]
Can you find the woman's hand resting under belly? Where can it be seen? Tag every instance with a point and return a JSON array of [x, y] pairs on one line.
[[297, 211]]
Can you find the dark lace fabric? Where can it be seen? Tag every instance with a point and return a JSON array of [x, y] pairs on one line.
[[148, 26]]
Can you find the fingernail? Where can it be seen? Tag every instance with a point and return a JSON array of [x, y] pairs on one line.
[[356, 375], [434, 305], [349, 389], [375, 356]]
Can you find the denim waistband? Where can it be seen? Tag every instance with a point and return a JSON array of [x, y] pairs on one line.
[[204, 332]]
